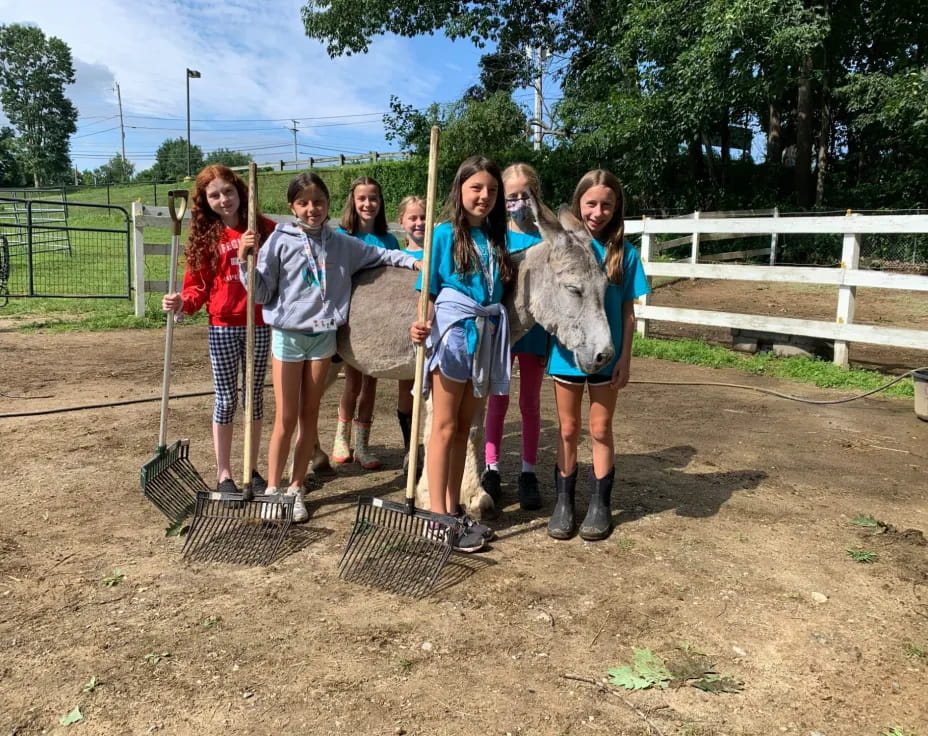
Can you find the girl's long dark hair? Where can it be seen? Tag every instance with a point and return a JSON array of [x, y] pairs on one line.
[[206, 227], [466, 257], [351, 221], [612, 235]]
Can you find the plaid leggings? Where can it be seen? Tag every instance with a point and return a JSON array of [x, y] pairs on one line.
[[226, 354]]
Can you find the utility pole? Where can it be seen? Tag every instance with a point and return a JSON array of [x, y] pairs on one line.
[[539, 97], [294, 130], [122, 132]]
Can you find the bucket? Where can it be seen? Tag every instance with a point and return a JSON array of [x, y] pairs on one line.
[[920, 383]]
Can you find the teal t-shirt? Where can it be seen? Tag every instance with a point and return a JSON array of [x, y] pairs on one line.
[[535, 341], [387, 240], [482, 284], [417, 254], [475, 284], [634, 284]]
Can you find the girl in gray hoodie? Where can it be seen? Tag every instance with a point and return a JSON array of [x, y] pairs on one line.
[[303, 282]]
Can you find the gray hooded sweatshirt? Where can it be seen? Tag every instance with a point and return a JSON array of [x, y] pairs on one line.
[[301, 296]]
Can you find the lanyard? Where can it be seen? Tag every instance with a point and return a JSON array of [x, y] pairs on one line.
[[487, 267], [314, 274]]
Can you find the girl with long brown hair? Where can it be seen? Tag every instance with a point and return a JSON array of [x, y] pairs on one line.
[[598, 204]]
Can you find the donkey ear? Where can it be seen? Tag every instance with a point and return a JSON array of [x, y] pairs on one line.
[[568, 220], [545, 219]]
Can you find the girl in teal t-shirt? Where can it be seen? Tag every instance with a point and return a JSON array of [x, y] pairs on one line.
[[598, 203], [411, 215], [530, 351], [469, 256], [364, 218]]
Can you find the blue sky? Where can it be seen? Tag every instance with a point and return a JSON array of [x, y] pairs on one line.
[[258, 69]]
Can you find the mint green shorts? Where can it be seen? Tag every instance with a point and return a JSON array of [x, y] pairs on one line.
[[295, 347]]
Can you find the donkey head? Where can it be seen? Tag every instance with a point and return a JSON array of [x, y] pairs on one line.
[[566, 288]]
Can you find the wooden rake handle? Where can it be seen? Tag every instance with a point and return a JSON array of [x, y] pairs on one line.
[[250, 333], [423, 314]]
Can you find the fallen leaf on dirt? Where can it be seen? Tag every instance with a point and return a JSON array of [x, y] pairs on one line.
[[646, 671], [73, 717]]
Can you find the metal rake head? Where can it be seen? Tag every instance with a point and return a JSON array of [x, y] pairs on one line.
[[397, 549], [170, 481], [226, 528]]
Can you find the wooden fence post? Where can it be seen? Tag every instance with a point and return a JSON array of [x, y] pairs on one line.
[[694, 250], [847, 295], [138, 259], [774, 238], [642, 323]]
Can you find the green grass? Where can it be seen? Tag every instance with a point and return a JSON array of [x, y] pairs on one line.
[[862, 555], [802, 370]]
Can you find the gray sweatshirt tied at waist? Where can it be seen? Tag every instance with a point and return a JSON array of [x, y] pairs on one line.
[[491, 365]]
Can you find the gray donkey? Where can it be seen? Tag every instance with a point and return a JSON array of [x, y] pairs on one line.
[[559, 285]]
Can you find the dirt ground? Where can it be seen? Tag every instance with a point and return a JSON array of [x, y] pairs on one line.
[[733, 518]]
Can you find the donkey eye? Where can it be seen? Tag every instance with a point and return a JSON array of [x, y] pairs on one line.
[[573, 289]]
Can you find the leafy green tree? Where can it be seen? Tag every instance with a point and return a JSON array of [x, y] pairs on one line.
[[492, 125], [661, 92], [33, 73], [226, 157], [347, 26], [11, 174], [171, 161], [117, 169]]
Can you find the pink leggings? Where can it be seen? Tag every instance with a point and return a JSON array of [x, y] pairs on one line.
[[531, 373]]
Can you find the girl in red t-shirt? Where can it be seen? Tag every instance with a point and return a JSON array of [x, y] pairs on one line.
[[218, 225]]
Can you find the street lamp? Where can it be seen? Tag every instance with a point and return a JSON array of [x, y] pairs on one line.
[[191, 74]]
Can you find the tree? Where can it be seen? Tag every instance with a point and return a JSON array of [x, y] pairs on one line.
[[117, 169], [11, 174], [492, 125], [661, 91], [347, 26], [226, 157], [171, 161], [33, 73]]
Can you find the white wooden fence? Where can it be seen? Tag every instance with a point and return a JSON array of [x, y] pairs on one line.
[[847, 277]]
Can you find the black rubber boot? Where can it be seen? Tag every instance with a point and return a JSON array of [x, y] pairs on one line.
[[562, 524], [492, 484], [529, 497], [405, 421], [598, 521]]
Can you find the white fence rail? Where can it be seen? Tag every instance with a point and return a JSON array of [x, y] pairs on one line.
[[847, 277], [339, 160]]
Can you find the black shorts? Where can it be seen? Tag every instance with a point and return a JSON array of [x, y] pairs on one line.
[[594, 380]]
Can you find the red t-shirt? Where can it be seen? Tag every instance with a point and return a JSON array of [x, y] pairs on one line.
[[218, 284]]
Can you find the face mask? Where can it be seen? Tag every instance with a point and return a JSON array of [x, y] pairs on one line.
[[519, 211]]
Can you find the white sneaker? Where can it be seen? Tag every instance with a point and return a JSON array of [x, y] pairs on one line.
[[299, 507], [270, 511]]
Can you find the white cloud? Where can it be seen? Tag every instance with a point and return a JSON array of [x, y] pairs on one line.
[[256, 64]]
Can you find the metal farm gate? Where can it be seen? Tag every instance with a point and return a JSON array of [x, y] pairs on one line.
[[56, 248]]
